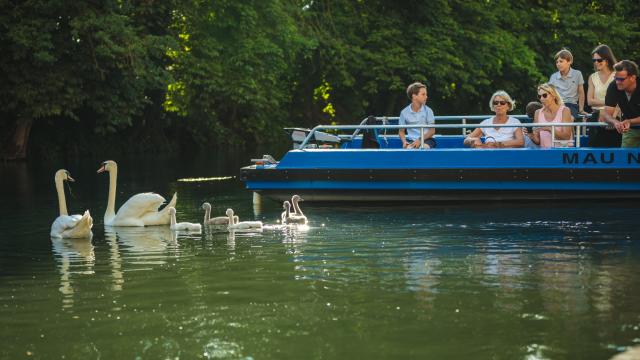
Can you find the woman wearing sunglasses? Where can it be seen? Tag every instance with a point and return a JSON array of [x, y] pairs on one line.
[[603, 61], [500, 103], [553, 111]]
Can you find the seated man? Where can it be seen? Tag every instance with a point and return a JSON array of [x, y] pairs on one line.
[[498, 137], [417, 113]]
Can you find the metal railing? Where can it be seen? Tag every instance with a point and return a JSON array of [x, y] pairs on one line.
[[462, 126]]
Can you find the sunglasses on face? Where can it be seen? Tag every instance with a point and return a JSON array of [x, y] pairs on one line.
[[597, 60], [620, 79], [499, 102], [542, 96]]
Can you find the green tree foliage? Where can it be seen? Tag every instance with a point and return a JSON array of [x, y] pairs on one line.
[[464, 50], [227, 72], [234, 68], [80, 60]]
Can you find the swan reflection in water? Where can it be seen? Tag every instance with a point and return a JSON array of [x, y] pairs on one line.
[[136, 246], [241, 233], [295, 234], [74, 257]]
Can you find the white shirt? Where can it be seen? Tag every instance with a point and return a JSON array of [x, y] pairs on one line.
[[503, 133]]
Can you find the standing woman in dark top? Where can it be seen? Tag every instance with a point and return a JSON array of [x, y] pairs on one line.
[[603, 60]]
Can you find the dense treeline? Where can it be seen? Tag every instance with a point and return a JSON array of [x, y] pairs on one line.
[[152, 76]]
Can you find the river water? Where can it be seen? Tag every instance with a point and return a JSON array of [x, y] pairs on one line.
[[455, 281]]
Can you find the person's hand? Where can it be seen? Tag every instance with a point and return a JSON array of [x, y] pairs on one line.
[[619, 127], [472, 142], [411, 145], [626, 125]]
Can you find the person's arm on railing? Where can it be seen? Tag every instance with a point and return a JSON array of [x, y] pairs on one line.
[[628, 123], [473, 139], [565, 132]]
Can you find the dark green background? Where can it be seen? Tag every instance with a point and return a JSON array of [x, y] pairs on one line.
[[107, 77]]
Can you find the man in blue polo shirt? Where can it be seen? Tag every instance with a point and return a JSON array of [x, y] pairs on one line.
[[625, 93], [417, 113]]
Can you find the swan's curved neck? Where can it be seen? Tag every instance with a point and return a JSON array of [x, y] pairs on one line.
[[231, 220], [110, 213], [207, 215], [287, 211], [62, 201], [296, 208], [173, 219]]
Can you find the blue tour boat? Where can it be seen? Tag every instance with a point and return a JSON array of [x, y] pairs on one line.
[[335, 167]]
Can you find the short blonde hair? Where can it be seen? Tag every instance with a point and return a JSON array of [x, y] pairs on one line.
[[550, 89], [503, 94]]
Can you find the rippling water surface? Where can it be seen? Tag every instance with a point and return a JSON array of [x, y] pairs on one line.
[[482, 281]]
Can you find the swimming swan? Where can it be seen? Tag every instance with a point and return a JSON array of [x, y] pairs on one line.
[[218, 220], [297, 216], [290, 218], [242, 225], [65, 226], [286, 213], [139, 210], [182, 226]]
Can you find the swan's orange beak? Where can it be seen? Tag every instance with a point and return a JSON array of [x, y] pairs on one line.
[[69, 178], [101, 170]]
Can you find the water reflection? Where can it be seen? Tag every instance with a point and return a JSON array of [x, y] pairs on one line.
[[146, 244], [139, 248], [74, 257], [115, 259]]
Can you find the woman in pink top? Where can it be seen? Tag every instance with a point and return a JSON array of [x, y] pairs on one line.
[[553, 111]]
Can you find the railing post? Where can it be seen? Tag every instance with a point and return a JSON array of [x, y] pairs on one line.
[[421, 137], [464, 129]]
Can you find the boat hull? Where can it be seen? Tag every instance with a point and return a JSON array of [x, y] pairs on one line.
[[449, 174], [352, 196]]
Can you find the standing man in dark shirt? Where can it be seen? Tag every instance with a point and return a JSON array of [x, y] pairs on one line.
[[625, 93]]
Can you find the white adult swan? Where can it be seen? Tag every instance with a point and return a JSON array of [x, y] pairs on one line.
[[218, 220], [65, 226], [289, 218], [182, 226], [139, 210], [297, 213], [242, 225]]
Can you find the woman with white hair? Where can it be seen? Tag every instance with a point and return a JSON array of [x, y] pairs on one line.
[[498, 137]]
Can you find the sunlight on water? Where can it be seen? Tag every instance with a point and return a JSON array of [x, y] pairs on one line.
[[443, 281]]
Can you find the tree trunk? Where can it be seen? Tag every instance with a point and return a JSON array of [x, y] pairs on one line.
[[15, 145]]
